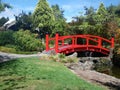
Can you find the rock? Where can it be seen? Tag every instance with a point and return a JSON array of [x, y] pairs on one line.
[[88, 65], [73, 55], [50, 52], [75, 66], [111, 53]]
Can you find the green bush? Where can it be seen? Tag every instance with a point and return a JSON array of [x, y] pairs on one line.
[[26, 41], [61, 56], [6, 37], [69, 60]]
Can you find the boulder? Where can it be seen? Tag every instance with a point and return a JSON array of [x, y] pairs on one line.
[[73, 55]]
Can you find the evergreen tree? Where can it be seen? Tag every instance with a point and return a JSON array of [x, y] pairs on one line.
[[43, 18], [101, 19], [60, 21]]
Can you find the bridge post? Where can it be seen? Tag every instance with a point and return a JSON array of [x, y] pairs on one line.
[[62, 42], [112, 42], [47, 42], [73, 41], [99, 42], [56, 42], [87, 42]]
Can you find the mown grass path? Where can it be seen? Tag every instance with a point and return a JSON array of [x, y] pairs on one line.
[[35, 74]]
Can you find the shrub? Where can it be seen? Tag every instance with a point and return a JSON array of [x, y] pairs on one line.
[[69, 60], [27, 41], [6, 37], [61, 56]]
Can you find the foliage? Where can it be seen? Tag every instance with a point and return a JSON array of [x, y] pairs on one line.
[[43, 18], [24, 21], [14, 42], [102, 22], [69, 60], [3, 6], [117, 37], [3, 20], [35, 74], [6, 37], [27, 41], [60, 22]]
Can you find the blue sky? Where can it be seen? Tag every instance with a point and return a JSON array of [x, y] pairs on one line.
[[71, 7]]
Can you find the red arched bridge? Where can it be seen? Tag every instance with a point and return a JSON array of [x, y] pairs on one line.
[[78, 43]]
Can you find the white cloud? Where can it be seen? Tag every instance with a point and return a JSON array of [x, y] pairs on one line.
[[10, 13], [69, 18], [15, 11], [71, 10]]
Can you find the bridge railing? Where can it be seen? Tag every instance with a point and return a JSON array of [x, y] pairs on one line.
[[74, 41]]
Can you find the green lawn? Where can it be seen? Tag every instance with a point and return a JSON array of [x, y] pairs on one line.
[[35, 74]]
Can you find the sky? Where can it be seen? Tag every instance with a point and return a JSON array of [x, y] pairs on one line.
[[71, 7]]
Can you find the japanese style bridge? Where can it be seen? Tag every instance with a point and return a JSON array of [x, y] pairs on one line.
[[79, 43]]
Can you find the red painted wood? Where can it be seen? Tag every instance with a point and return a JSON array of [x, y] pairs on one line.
[[99, 42], [47, 42], [112, 41], [62, 42], [56, 42], [73, 41], [66, 48]]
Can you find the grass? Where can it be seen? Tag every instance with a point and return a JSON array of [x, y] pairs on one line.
[[13, 50], [35, 74]]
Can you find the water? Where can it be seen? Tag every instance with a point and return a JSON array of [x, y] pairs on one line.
[[113, 71]]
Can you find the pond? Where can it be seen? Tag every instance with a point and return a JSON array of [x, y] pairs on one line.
[[113, 71]]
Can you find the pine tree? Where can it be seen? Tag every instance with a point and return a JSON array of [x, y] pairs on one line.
[[43, 18], [60, 22], [101, 19]]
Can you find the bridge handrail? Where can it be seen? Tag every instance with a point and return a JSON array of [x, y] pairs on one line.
[[74, 38]]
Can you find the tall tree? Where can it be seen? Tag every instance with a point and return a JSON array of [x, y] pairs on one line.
[[3, 6], [43, 18], [101, 18], [90, 12]]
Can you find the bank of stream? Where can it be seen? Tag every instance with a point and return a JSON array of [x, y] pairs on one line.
[[113, 71]]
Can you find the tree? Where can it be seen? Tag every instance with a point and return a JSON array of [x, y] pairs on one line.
[[27, 41], [43, 18], [60, 21], [90, 12], [101, 19], [3, 20], [24, 21], [3, 6]]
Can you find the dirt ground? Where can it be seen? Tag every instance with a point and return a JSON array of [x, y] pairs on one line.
[[110, 82]]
